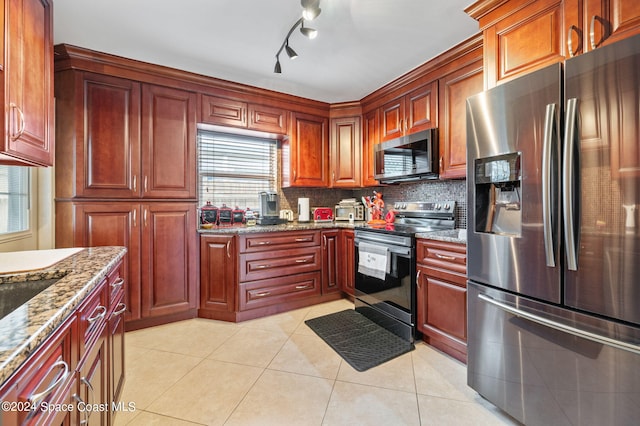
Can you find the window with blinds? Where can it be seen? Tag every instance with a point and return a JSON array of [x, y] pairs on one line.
[[234, 169], [14, 199]]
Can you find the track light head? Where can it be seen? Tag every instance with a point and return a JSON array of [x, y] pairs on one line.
[[308, 32], [277, 69], [311, 9], [290, 52]]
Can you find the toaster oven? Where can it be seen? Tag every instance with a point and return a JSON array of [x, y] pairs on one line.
[[345, 211]]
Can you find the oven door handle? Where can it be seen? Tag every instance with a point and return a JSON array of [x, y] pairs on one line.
[[403, 251]]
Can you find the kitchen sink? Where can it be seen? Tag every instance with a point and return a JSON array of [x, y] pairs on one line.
[[14, 295]]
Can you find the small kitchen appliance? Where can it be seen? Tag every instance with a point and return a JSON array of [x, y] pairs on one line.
[[303, 210], [349, 209], [269, 209], [225, 215], [322, 214]]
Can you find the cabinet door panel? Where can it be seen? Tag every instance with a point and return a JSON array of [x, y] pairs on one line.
[[267, 119], [218, 257], [331, 261], [307, 152], [169, 142], [348, 254], [422, 107], [114, 224], [29, 81], [169, 258], [109, 159], [370, 139], [446, 309], [392, 115], [454, 91], [345, 152], [224, 112]]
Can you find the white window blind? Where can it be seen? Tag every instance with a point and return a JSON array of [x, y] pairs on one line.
[[234, 169], [14, 199]]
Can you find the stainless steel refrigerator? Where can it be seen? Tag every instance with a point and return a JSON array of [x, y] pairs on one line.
[[553, 176]]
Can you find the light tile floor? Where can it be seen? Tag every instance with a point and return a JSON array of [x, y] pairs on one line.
[[276, 371]]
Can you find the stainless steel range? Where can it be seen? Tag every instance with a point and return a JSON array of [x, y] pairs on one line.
[[385, 286]]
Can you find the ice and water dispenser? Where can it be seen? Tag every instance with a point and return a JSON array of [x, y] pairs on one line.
[[498, 195]]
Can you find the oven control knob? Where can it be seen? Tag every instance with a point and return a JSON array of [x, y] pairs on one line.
[[447, 206], [404, 205], [438, 206]]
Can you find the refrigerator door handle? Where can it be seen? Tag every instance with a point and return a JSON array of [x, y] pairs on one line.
[[567, 185], [547, 149], [635, 349]]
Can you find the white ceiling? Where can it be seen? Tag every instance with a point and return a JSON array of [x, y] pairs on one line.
[[361, 46]]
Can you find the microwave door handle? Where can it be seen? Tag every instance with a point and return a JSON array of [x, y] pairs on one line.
[[547, 148], [568, 186]]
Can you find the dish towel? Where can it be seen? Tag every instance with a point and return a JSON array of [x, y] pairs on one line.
[[373, 260]]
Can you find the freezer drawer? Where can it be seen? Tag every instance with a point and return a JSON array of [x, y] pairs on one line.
[[545, 365]]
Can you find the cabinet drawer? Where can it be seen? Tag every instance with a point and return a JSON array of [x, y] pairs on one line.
[[115, 285], [47, 376], [92, 316], [274, 291], [257, 266], [278, 240], [443, 260]]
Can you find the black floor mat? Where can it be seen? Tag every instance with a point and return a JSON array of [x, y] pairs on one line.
[[357, 339]]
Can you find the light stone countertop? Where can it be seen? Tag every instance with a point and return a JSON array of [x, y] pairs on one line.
[[24, 329], [450, 236]]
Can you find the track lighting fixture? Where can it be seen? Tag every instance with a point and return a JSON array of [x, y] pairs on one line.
[[311, 9]]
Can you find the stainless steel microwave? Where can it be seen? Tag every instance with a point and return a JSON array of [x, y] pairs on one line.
[[407, 158]]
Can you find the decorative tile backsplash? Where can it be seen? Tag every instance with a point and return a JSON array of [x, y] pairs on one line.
[[435, 191]]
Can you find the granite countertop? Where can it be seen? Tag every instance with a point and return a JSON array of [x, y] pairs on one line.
[[24, 329], [450, 236], [289, 226]]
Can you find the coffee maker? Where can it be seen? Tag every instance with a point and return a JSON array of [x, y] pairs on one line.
[[269, 209]]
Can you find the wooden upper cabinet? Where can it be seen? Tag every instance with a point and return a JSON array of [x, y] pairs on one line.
[[455, 88], [519, 36], [590, 24], [413, 112], [229, 112], [169, 142], [28, 83], [346, 142], [370, 138], [305, 154], [107, 139]]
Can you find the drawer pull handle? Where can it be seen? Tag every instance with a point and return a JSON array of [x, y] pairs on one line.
[[117, 283], [304, 287], [264, 243], [263, 294], [36, 398], [443, 257], [122, 308], [97, 314], [302, 260], [572, 28], [262, 266], [302, 240]]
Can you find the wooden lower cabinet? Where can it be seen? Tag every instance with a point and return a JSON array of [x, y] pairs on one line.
[[169, 256], [160, 268], [348, 257], [331, 261], [442, 296], [256, 274], [218, 275], [80, 365], [52, 363]]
